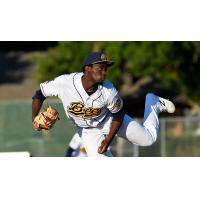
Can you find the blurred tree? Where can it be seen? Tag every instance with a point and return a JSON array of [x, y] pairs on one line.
[[171, 65]]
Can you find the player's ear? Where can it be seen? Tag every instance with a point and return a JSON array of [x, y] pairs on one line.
[[87, 67]]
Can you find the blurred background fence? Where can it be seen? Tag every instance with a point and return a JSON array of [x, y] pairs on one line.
[[179, 136]]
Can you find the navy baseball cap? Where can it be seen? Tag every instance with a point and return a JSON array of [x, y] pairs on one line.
[[97, 57]]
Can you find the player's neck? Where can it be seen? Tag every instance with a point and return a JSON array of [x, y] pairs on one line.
[[88, 85]]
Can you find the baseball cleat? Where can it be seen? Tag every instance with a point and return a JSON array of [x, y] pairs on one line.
[[166, 105]]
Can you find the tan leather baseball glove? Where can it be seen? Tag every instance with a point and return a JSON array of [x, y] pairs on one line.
[[46, 119]]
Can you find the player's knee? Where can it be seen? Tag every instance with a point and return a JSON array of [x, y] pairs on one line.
[[147, 142]]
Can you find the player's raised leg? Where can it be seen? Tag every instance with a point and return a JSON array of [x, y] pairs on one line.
[[145, 134], [154, 105]]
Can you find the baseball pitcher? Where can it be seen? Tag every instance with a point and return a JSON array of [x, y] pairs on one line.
[[96, 109]]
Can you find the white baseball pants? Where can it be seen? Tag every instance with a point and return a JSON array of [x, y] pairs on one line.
[[140, 134]]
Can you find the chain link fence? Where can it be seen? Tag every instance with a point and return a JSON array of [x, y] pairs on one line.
[[179, 136]]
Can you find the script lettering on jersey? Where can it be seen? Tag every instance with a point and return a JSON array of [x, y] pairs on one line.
[[79, 110]]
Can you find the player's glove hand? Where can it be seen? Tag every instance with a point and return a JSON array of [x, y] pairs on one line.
[[46, 119], [104, 146]]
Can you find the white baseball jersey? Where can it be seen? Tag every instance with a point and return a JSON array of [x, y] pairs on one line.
[[83, 109]]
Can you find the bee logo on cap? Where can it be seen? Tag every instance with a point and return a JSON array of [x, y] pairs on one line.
[[103, 57]]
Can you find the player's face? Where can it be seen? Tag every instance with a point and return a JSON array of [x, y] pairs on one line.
[[98, 72]]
